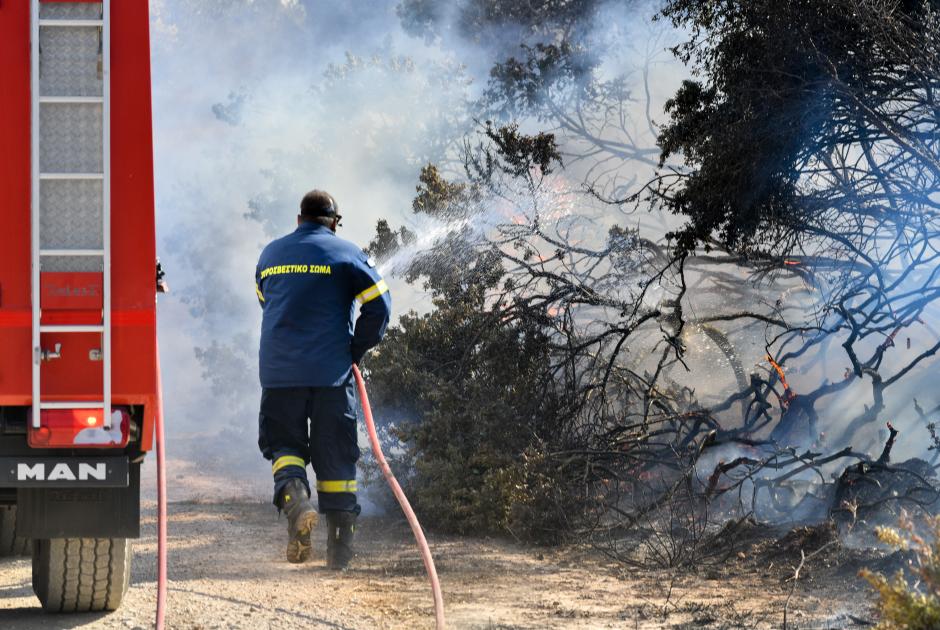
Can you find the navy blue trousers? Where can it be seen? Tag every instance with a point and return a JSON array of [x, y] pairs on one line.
[[317, 426]]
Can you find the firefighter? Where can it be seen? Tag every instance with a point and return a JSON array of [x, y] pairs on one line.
[[308, 283]]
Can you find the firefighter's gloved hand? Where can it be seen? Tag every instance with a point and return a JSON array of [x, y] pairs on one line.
[[357, 356], [162, 286]]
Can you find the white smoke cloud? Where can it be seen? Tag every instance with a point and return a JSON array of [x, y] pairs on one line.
[[256, 102]]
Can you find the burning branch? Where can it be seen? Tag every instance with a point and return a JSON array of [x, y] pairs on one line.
[[788, 394]]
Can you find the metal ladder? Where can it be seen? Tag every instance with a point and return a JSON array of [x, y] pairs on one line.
[[37, 252]]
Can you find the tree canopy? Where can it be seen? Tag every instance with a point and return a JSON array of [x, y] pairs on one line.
[[787, 92], [572, 357]]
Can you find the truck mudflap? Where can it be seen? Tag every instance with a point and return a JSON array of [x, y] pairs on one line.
[[64, 472], [79, 509]]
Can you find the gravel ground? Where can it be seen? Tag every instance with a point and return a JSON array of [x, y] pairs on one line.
[[227, 571]]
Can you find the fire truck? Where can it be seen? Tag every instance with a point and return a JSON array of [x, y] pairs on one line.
[[78, 364]]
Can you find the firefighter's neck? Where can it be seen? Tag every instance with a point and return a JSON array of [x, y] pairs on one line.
[[331, 225]]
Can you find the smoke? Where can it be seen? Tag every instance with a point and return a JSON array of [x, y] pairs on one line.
[[258, 101], [254, 104]]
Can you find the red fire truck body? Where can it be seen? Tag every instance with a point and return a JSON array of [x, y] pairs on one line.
[[77, 256]]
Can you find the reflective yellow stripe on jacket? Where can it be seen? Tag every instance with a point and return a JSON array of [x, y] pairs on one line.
[[258, 291], [372, 292], [337, 486]]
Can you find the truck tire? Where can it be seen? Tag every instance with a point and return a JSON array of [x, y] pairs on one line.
[[10, 543], [81, 574]]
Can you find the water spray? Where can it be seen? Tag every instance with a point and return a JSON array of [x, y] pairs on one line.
[[402, 500]]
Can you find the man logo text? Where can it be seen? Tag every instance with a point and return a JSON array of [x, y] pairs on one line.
[[61, 472]]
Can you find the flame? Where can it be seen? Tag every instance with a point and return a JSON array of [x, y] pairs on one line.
[[779, 370], [789, 394]]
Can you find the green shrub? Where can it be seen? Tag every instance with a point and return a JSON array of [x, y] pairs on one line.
[[474, 408], [910, 604], [470, 385]]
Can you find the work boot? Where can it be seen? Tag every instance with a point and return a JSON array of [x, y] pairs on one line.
[[301, 519], [341, 526]]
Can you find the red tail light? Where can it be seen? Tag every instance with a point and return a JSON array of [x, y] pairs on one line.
[[80, 428]]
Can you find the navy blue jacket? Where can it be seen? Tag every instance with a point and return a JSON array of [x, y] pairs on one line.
[[308, 283]]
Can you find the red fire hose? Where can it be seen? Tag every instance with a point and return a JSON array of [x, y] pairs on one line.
[[403, 501], [161, 503]]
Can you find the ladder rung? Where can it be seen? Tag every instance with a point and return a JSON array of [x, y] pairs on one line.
[[72, 328], [71, 252], [71, 22], [71, 405], [68, 100], [71, 176]]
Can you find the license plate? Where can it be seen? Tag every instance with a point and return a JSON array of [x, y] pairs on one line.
[[63, 472]]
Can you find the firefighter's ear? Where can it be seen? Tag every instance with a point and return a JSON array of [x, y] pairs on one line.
[[300, 220]]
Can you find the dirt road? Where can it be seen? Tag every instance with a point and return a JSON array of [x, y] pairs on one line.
[[227, 572]]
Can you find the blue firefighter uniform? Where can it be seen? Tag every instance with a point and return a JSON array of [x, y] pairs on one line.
[[308, 284]]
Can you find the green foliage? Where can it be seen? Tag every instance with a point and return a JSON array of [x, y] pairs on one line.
[[470, 383], [522, 85], [474, 411], [779, 85], [476, 407], [488, 21], [541, 49], [520, 153], [436, 196], [908, 605], [387, 241]]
